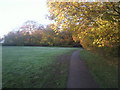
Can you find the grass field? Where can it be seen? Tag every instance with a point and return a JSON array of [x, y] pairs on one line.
[[104, 71], [34, 67]]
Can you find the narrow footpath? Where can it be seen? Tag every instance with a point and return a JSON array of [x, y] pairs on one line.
[[79, 75]]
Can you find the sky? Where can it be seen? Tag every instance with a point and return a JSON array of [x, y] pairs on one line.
[[13, 13]]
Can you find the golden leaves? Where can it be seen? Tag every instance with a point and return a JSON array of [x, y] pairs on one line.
[[86, 21]]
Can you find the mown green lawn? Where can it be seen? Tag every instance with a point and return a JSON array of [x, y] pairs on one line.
[[105, 72], [34, 67]]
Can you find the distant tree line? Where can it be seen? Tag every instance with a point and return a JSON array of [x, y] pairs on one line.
[[33, 34], [0, 39]]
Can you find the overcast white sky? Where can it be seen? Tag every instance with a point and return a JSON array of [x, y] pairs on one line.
[[13, 13]]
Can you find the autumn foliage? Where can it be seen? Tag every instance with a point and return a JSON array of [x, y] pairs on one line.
[[32, 33], [94, 24]]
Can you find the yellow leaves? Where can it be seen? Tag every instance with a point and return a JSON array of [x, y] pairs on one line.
[[74, 16], [92, 29], [105, 33], [57, 33], [99, 45], [94, 43], [99, 42], [80, 37]]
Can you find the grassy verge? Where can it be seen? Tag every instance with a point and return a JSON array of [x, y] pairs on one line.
[[34, 67], [105, 74]]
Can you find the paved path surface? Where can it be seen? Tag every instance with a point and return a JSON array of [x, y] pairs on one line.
[[79, 76]]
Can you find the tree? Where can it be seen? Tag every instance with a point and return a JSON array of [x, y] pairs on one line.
[[25, 35], [33, 34], [88, 21]]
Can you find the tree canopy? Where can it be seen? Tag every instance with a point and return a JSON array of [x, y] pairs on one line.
[[94, 24], [32, 33]]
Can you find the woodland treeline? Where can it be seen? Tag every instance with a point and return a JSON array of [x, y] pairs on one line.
[[32, 33], [95, 24]]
